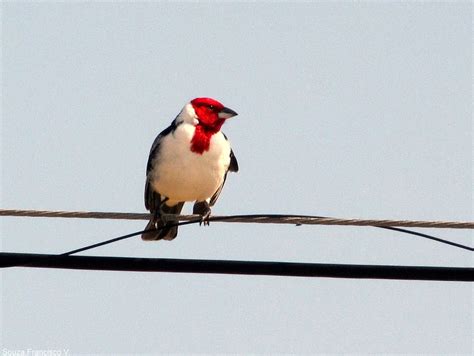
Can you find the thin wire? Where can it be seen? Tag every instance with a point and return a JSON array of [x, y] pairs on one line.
[[102, 243], [427, 237], [124, 237], [199, 220]]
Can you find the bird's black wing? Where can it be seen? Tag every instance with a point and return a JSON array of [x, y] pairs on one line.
[[152, 198], [233, 167]]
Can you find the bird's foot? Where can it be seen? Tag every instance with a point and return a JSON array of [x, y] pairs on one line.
[[202, 208], [163, 216]]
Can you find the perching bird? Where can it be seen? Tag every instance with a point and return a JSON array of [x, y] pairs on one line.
[[188, 161]]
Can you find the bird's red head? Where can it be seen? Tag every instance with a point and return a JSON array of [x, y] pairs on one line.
[[211, 115]]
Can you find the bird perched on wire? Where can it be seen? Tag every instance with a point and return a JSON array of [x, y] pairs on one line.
[[188, 162]]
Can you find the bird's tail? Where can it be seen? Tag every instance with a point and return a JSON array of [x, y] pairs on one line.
[[160, 230]]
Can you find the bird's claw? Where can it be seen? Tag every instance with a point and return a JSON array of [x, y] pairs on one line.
[[202, 208], [205, 219]]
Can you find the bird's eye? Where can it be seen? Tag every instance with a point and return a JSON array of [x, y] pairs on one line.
[[211, 107]]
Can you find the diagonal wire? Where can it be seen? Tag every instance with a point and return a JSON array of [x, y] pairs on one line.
[[125, 237], [427, 237], [199, 220]]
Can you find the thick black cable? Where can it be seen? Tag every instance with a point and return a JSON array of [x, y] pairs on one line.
[[261, 268]]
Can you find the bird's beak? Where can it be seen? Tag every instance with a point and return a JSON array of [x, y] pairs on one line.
[[226, 113]]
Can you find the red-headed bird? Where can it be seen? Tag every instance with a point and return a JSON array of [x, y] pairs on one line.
[[188, 161]]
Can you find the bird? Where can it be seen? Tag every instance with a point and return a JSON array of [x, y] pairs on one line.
[[188, 162]]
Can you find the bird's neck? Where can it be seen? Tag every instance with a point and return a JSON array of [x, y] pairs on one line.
[[201, 140]]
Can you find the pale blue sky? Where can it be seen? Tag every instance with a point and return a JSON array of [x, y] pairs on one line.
[[345, 109]]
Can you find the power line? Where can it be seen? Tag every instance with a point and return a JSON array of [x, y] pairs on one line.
[[254, 218], [251, 218], [261, 268]]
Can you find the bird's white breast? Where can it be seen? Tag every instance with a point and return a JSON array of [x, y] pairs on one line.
[[183, 175]]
